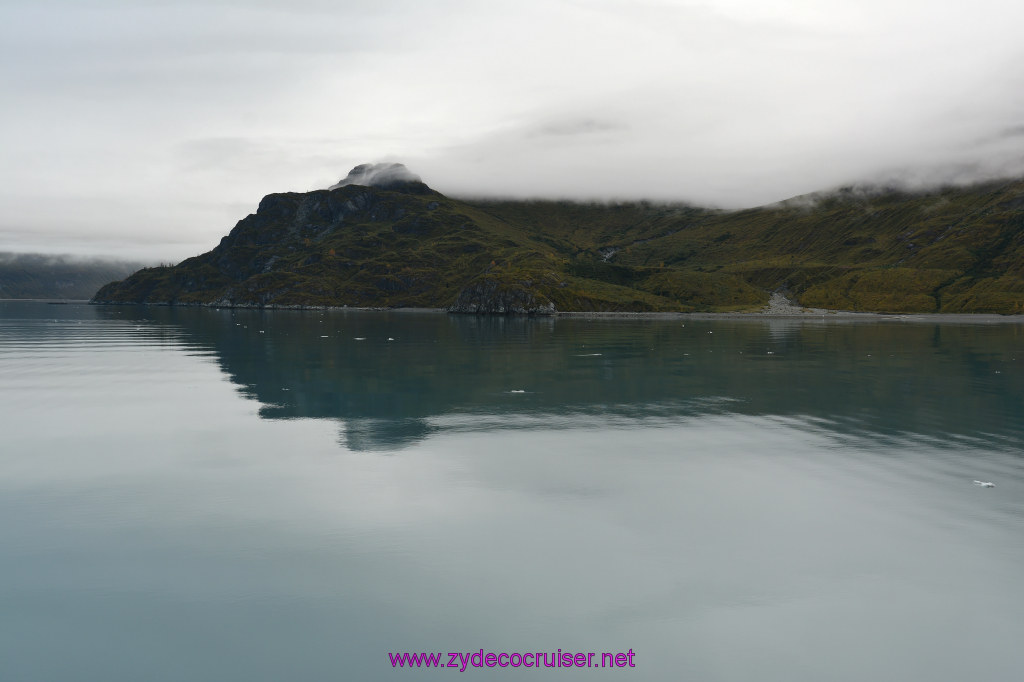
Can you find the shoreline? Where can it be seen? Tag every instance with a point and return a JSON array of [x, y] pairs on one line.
[[776, 310], [826, 316], [780, 307]]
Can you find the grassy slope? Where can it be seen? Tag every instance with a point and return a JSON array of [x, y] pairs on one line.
[[955, 250]]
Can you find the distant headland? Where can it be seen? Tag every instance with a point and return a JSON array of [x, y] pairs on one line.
[[381, 238]]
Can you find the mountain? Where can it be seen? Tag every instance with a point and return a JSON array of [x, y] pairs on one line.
[[33, 275], [383, 238]]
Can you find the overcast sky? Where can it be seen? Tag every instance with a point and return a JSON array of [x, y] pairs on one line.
[[147, 128]]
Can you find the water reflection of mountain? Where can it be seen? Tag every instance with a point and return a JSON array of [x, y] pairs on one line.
[[863, 379]]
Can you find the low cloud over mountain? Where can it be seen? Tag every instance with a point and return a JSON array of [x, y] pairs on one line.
[[383, 175]]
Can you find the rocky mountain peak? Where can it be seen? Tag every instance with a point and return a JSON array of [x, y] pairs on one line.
[[380, 175]]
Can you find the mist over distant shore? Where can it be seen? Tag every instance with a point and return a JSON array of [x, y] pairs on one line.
[[35, 275]]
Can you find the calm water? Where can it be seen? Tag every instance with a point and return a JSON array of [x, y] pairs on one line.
[[218, 495]]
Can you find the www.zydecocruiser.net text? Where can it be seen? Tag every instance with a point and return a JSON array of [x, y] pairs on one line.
[[463, 660]]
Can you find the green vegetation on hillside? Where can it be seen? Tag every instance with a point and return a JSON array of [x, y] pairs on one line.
[[950, 250]]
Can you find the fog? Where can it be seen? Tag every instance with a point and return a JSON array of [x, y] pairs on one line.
[[147, 129]]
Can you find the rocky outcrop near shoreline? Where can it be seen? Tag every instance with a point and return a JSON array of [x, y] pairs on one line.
[[491, 296]]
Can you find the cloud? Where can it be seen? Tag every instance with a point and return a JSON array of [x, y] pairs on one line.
[[159, 121], [1011, 132], [377, 175], [578, 126]]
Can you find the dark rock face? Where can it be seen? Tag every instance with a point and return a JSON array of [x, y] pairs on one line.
[[490, 296]]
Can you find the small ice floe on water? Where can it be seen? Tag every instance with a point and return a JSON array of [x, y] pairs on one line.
[[360, 338], [985, 484]]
